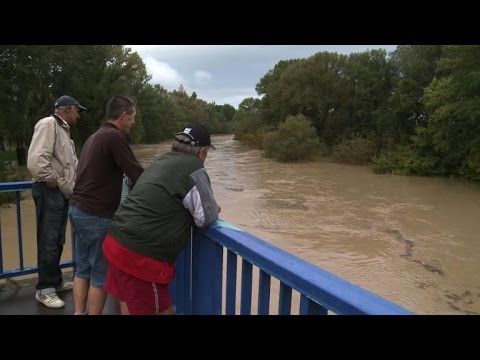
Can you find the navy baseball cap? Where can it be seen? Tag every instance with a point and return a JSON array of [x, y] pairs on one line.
[[198, 134], [66, 100]]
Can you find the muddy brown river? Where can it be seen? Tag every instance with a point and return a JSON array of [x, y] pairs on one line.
[[412, 240]]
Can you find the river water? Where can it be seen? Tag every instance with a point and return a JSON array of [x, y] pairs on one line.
[[412, 240]]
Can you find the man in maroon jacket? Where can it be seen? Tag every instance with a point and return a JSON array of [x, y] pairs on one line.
[[105, 158]]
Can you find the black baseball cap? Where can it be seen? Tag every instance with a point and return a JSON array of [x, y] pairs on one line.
[[66, 100], [198, 134]]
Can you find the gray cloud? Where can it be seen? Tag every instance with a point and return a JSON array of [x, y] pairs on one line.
[[225, 73], [202, 78]]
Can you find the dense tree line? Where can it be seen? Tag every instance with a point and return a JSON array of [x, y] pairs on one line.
[[33, 77], [413, 111]]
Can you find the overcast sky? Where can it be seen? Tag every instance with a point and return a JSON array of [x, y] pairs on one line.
[[225, 74]]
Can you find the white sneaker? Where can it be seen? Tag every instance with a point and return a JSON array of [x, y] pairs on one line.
[[64, 286], [49, 298]]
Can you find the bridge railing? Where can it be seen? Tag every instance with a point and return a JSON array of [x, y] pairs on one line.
[[21, 269], [208, 269]]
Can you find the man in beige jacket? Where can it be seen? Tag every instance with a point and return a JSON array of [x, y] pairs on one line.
[[53, 164]]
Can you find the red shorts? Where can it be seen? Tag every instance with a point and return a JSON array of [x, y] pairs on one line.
[[139, 266], [142, 297]]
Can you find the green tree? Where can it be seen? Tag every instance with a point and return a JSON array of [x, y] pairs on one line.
[[247, 118], [160, 114], [294, 140], [453, 102], [415, 66], [26, 74], [369, 76]]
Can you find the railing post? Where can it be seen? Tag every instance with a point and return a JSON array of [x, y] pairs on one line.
[[231, 283], [309, 307], [180, 288], [1, 246], [19, 229], [207, 264]]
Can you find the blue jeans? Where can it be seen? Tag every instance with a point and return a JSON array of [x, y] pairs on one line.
[[51, 209], [89, 232]]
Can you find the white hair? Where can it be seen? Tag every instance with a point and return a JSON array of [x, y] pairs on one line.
[[180, 146]]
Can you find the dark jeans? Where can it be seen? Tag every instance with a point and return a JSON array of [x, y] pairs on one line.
[[52, 215]]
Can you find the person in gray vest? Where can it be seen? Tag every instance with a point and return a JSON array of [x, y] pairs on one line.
[[52, 162], [154, 224]]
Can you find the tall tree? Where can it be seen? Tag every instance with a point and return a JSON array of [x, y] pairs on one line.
[[415, 66], [159, 113], [370, 79], [29, 71], [247, 118], [453, 102]]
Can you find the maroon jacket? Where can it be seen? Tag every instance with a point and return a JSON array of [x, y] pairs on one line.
[[105, 157]]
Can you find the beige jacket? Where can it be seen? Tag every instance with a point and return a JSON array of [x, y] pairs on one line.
[[51, 155]]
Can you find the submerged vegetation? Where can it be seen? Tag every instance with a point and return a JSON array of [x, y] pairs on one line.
[[294, 140], [415, 111]]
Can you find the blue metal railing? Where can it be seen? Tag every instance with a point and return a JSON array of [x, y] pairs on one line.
[[18, 187], [320, 291], [211, 260]]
